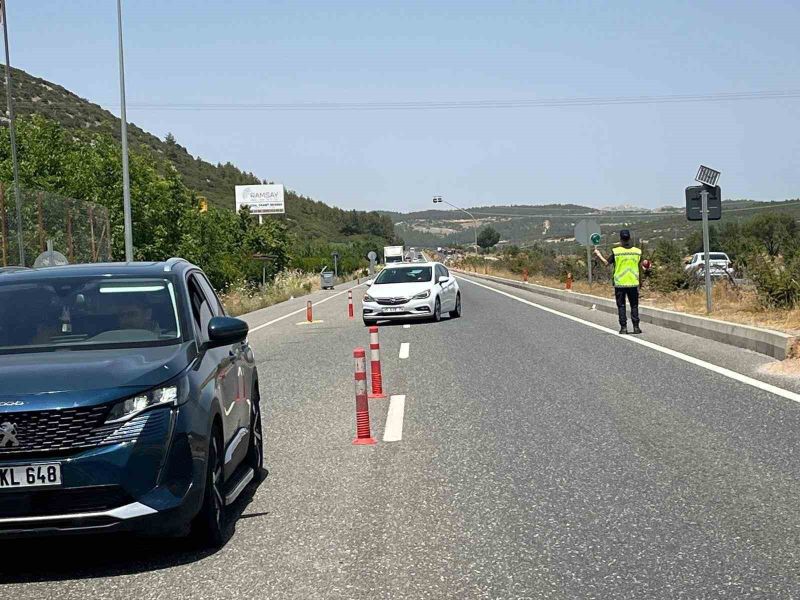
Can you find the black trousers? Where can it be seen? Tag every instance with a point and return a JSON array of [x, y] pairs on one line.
[[632, 293]]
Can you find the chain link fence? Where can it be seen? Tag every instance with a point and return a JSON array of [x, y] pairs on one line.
[[79, 230]]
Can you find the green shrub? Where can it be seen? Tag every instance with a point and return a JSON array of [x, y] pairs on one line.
[[777, 283]]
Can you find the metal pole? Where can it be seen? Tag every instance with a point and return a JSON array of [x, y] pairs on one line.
[[126, 184], [706, 263], [13, 133], [335, 266], [589, 263]]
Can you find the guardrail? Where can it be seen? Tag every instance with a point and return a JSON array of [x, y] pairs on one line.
[[764, 341]]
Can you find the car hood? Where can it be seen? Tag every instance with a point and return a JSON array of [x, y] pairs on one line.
[[69, 378], [398, 290]]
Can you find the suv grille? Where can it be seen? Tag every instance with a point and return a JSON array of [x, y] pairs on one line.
[[391, 301], [53, 430]]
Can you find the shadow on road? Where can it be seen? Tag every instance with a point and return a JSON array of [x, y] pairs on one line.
[[94, 556]]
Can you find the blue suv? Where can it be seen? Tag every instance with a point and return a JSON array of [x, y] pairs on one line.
[[129, 401]]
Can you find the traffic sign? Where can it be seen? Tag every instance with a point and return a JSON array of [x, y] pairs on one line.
[[595, 238], [584, 231], [372, 255], [694, 202], [707, 175]]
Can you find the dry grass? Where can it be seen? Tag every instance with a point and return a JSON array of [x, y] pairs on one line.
[[737, 305], [243, 298]]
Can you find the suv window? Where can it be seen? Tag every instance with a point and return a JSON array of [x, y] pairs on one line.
[[201, 310], [211, 295]]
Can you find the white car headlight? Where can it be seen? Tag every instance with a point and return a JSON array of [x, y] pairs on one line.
[[421, 295], [124, 410], [368, 298]]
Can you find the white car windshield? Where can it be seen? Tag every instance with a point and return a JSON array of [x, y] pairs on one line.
[[404, 275]]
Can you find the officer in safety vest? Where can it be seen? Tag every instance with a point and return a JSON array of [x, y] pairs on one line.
[[625, 259]]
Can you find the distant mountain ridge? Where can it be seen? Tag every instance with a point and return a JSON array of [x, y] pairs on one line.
[[554, 223]]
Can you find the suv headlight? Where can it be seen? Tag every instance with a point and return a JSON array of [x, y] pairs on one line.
[[168, 395], [421, 295], [368, 298]]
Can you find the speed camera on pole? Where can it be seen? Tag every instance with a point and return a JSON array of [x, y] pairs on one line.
[[710, 205]]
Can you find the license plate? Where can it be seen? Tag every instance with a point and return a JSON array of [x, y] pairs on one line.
[[395, 310], [22, 476]]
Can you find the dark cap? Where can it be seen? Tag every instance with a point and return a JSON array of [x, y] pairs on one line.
[[624, 235]]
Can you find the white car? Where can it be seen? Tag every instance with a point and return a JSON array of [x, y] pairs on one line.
[[721, 265], [412, 291]]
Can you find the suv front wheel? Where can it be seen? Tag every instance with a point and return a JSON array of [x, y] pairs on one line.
[[210, 526]]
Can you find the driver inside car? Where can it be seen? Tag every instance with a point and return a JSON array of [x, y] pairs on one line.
[[137, 316]]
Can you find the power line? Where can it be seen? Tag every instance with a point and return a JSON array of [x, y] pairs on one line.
[[449, 105]]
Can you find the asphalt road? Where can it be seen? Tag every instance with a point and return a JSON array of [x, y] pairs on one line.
[[540, 458]]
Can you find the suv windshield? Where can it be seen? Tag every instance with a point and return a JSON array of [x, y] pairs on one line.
[[404, 275], [84, 312]]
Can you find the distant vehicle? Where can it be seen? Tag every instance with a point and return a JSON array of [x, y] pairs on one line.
[[720, 264], [417, 291], [392, 254], [130, 402]]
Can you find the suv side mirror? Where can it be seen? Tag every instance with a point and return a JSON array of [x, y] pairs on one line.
[[443, 279], [224, 331]]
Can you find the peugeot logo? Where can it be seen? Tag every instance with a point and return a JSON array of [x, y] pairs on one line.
[[8, 435]]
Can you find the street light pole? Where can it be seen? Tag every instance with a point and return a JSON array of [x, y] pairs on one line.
[[13, 134], [126, 184], [438, 199]]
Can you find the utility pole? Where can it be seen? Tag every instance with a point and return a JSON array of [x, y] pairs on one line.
[[126, 184], [13, 134]]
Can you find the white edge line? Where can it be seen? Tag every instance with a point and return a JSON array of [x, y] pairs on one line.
[[767, 387], [299, 310], [393, 431], [405, 348]]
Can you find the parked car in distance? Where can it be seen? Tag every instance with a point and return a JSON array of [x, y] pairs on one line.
[[720, 264], [129, 402]]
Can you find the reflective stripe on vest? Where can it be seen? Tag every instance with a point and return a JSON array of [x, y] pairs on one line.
[[626, 266]]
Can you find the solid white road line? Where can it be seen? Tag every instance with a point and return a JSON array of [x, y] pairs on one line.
[[674, 353], [405, 347], [393, 432], [299, 310]]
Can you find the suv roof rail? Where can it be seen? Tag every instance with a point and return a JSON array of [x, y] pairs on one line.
[[171, 262]]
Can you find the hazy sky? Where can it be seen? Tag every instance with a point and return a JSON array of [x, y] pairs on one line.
[[181, 52]]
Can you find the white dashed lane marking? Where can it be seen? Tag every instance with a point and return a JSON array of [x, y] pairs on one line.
[[405, 348], [393, 432]]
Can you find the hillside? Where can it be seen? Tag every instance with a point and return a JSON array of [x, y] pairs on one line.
[[554, 223], [306, 218]]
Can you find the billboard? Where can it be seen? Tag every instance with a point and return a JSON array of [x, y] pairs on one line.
[[262, 199]]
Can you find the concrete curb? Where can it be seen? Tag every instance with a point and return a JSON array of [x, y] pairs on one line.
[[764, 341]]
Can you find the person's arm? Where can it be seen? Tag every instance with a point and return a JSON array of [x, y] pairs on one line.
[[606, 261]]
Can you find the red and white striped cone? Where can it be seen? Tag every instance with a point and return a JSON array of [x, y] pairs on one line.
[[350, 314], [363, 435], [375, 363]]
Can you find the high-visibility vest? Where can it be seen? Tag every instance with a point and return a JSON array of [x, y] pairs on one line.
[[626, 266]]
